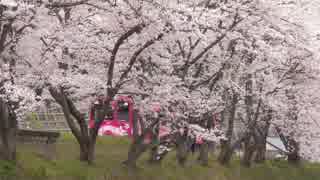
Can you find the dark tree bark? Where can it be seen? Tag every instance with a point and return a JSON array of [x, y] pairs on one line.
[[262, 134], [136, 125], [289, 141], [226, 149], [183, 144], [139, 146], [8, 121], [248, 147], [182, 153], [293, 156], [9, 37], [8, 131], [204, 147], [155, 145], [251, 116], [260, 152], [291, 146], [76, 121], [248, 152], [204, 154]]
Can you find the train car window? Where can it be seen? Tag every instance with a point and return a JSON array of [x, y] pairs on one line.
[[123, 111]]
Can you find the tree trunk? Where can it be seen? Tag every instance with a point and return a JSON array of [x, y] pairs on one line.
[[261, 144], [225, 153], [182, 153], [248, 152], [226, 149], [91, 152], [251, 137], [291, 146], [87, 152], [76, 122], [250, 116], [183, 148], [155, 145], [262, 134], [8, 144], [136, 125], [84, 152], [204, 154], [8, 131], [260, 155], [293, 156], [137, 148], [247, 157]]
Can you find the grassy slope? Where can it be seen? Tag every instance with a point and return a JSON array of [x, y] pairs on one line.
[[112, 151]]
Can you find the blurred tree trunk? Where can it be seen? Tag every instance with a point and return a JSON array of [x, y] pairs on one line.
[[293, 156], [248, 145], [260, 155], [291, 146], [262, 134], [248, 152], [137, 124], [8, 131], [139, 144], [76, 121], [226, 149], [137, 148], [204, 154], [183, 147], [206, 123], [155, 145], [289, 141]]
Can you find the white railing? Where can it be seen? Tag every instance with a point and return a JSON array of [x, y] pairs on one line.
[[45, 121]]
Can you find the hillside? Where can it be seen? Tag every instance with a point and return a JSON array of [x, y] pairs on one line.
[[112, 151]]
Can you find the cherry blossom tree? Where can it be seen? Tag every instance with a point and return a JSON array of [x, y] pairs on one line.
[[75, 72], [291, 20], [193, 52], [273, 62], [194, 58], [16, 97]]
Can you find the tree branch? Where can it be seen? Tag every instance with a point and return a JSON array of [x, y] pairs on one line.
[[5, 31], [214, 78], [135, 29], [136, 11], [65, 4], [60, 98], [134, 57], [181, 49], [235, 22]]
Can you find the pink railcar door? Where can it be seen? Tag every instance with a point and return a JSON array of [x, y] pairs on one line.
[[121, 122]]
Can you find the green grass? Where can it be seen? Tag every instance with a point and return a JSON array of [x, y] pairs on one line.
[[110, 152]]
